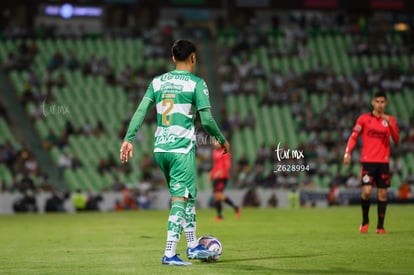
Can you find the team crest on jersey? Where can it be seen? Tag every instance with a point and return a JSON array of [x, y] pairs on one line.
[[384, 123]]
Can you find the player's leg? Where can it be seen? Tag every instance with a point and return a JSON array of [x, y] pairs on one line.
[[382, 207], [218, 199], [183, 181], [174, 226], [383, 182], [366, 181], [194, 249], [218, 196], [365, 205], [236, 208], [228, 201], [185, 172], [190, 224], [177, 212]]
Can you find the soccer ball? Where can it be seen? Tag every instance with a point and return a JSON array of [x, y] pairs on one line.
[[212, 244]]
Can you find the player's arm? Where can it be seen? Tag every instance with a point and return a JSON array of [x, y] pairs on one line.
[[394, 130], [138, 118], [134, 125], [202, 103], [210, 125], [356, 131]]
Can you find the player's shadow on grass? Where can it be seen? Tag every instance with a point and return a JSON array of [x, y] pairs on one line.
[[270, 270], [266, 258]]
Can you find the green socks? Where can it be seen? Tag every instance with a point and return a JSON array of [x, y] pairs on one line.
[[175, 221]]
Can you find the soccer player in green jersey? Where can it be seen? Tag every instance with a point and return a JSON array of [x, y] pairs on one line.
[[177, 95]]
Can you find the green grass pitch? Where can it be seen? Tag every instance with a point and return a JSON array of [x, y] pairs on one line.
[[263, 241]]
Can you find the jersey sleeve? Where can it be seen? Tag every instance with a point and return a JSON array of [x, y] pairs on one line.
[[138, 118], [394, 130], [359, 125], [150, 93], [356, 131], [210, 125], [202, 99], [146, 103]]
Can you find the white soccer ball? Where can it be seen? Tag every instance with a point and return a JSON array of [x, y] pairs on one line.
[[212, 244]]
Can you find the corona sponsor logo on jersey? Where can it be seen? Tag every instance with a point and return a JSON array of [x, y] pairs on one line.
[[167, 77]]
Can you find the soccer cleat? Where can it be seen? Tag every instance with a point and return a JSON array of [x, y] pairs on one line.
[[381, 231], [175, 260], [199, 252], [363, 228], [238, 212], [218, 219]]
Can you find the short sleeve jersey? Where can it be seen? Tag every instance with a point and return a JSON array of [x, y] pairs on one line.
[[178, 95], [375, 138]]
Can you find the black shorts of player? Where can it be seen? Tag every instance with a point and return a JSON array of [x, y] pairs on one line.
[[376, 174], [219, 185]]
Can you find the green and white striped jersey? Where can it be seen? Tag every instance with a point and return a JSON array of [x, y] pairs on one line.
[[178, 95]]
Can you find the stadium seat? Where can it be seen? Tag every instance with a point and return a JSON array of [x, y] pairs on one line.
[[289, 126], [88, 98], [5, 175]]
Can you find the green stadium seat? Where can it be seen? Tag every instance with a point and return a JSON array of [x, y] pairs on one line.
[[41, 128], [266, 116], [238, 144], [260, 128], [4, 131], [409, 99], [89, 98], [324, 181], [401, 107], [410, 160], [263, 57], [289, 126], [249, 144], [71, 179], [5, 175]]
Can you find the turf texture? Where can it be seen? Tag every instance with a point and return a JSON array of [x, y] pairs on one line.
[[262, 241]]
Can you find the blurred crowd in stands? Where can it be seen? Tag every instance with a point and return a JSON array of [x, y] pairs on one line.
[[327, 130], [22, 165], [346, 96]]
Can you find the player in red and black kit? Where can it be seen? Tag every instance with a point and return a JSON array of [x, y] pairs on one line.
[[376, 128], [220, 174]]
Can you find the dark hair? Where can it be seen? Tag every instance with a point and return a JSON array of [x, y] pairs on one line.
[[380, 94], [181, 49]]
